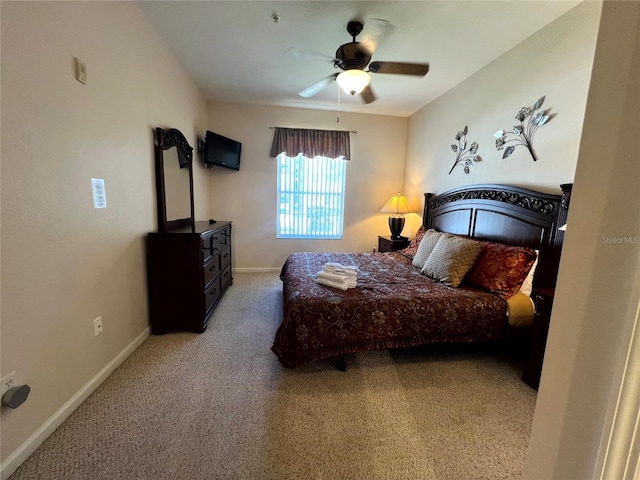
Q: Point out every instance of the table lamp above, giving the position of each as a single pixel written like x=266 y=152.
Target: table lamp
x=398 y=205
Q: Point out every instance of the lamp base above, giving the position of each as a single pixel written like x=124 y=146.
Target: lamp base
x=396 y=224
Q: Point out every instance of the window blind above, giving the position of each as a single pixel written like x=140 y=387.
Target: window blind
x=310 y=197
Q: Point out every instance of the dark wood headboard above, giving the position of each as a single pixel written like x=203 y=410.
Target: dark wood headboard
x=505 y=214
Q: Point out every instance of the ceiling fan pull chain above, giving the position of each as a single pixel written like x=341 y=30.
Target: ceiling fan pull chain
x=338 y=117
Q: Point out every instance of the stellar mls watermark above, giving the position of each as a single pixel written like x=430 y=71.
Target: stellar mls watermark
x=621 y=240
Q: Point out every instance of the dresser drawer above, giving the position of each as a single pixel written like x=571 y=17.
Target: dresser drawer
x=213 y=244
x=226 y=232
x=220 y=240
x=225 y=277
x=225 y=258
x=211 y=270
x=212 y=293
x=206 y=249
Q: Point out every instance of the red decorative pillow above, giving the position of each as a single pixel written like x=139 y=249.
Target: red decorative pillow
x=411 y=250
x=501 y=269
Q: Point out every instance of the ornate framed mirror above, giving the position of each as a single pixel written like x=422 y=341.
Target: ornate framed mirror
x=174 y=180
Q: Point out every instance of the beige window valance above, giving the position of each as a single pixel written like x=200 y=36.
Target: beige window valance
x=311 y=143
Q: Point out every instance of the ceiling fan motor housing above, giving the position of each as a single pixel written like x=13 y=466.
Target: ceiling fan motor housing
x=352 y=56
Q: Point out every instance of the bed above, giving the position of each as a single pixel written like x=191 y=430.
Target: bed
x=395 y=304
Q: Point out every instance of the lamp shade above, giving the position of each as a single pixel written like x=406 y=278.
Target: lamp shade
x=398 y=205
x=353 y=81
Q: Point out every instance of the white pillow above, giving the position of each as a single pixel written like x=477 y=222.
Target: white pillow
x=427 y=244
x=527 y=285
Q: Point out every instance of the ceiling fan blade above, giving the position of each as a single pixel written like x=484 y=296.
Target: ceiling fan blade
x=376 y=33
x=399 y=68
x=309 y=54
x=367 y=95
x=311 y=90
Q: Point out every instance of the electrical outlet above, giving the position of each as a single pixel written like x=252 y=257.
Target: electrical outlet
x=97 y=326
x=373 y=250
x=8 y=382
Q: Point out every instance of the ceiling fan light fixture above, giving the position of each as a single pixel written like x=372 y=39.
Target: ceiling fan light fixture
x=353 y=81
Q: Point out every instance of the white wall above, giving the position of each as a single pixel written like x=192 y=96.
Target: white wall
x=64 y=263
x=248 y=197
x=555 y=62
x=598 y=291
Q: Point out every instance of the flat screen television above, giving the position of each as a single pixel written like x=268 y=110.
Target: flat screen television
x=220 y=151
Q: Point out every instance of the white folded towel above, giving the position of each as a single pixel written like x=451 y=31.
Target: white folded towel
x=346 y=280
x=329 y=283
x=339 y=269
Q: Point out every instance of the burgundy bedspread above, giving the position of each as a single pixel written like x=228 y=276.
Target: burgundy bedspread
x=392 y=306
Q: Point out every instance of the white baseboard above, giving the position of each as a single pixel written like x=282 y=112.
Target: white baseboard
x=257 y=270
x=30 y=445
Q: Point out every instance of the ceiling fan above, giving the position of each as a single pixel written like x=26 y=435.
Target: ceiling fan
x=352 y=58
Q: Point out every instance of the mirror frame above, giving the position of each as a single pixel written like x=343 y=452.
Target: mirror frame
x=164 y=140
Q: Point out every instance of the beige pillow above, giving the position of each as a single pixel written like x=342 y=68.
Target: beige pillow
x=451 y=259
x=425 y=248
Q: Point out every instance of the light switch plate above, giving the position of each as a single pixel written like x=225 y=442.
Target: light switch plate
x=81 y=71
x=99 y=193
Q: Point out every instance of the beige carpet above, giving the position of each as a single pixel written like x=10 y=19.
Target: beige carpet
x=218 y=406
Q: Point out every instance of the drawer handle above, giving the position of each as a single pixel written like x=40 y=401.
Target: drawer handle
x=212 y=269
x=226 y=255
x=226 y=274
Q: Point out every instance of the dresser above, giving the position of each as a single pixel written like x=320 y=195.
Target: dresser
x=188 y=271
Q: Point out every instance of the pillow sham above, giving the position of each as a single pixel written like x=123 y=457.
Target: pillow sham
x=501 y=269
x=411 y=250
x=425 y=248
x=451 y=259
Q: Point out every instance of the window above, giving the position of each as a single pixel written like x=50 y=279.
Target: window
x=310 y=197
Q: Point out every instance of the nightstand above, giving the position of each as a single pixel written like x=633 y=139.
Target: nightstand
x=543 y=301
x=387 y=244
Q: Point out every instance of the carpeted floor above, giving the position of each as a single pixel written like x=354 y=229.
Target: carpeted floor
x=218 y=406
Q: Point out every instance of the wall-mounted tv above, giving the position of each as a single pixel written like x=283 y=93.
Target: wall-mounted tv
x=220 y=151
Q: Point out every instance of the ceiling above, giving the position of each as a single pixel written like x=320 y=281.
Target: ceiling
x=236 y=52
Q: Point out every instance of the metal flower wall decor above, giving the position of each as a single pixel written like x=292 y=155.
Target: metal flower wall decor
x=523 y=134
x=464 y=156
